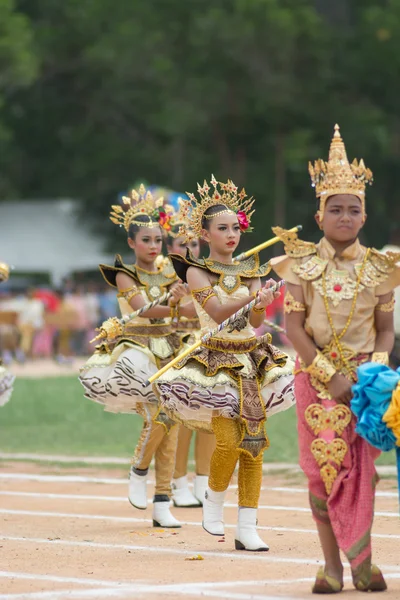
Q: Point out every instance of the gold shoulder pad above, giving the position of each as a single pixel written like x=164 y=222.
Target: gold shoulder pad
x=378 y=267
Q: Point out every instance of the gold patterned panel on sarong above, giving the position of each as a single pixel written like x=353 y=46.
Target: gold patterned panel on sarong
x=319 y=419
x=329 y=452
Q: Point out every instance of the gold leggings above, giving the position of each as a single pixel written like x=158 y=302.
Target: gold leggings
x=228 y=433
x=155 y=442
x=204 y=447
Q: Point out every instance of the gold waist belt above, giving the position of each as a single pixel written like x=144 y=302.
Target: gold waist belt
x=149 y=330
x=188 y=325
x=227 y=345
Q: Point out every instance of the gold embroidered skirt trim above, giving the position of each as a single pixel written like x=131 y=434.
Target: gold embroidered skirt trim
x=188 y=325
x=162 y=346
x=230 y=345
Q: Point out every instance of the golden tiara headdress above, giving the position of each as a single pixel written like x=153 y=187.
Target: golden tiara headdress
x=192 y=210
x=4 y=271
x=140 y=202
x=338 y=176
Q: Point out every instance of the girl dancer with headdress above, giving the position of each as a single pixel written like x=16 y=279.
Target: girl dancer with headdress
x=115 y=374
x=339 y=314
x=205 y=441
x=231 y=384
x=6 y=379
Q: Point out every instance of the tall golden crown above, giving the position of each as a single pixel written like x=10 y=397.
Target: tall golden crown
x=338 y=176
x=192 y=210
x=140 y=202
x=4 y=271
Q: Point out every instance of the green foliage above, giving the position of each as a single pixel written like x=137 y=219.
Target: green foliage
x=169 y=92
x=51 y=416
x=17 y=70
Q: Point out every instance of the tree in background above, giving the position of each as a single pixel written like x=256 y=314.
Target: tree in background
x=17 y=71
x=169 y=92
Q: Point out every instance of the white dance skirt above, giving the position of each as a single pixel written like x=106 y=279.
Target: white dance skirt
x=6 y=385
x=117 y=380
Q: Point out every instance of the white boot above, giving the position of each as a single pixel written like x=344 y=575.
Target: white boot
x=213 y=512
x=162 y=516
x=246 y=537
x=181 y=495
x=200 y=487
x=137 y=494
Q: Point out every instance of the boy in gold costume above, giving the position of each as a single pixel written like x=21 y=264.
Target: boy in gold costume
x=339 y=314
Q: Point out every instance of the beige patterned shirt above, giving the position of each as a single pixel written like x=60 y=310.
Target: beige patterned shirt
x=376 y=277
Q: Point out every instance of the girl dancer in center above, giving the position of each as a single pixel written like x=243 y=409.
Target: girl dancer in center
x=230 y=384
x=205 y=441
x=115 y=374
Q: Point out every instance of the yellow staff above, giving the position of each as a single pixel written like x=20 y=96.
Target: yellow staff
x=264 y=245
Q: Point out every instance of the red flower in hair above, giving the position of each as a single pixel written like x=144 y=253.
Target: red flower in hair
x=242 y=218
x=164 y=221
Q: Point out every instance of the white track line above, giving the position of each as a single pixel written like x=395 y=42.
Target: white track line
x=116 y=460
x=231 y=487
x=121 y=481
x=273 y=507
x=74 y=497
x=108 y=589
x=73 y=594
x=266 y=557
x=58 y=579
x=60 y=458
x=135 y=592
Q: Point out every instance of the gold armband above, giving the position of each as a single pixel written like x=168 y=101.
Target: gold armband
x=290 y=304
x=129 y=293
x=321 y=369
x=202 y=295
x=387 y=307
x=380 y=357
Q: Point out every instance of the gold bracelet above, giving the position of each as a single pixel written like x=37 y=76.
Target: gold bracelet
x=380 y=357
x=321 y=368
x=259 y=310
x=387 y=307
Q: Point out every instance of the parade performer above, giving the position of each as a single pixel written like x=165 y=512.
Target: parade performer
x=115 y=374
x=231 y=384
x=6 y=379
x=339 y=314
x=204 y=442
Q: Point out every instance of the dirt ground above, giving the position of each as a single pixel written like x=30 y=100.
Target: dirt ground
x=71 y=533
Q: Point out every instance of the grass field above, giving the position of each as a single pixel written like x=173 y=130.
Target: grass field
x=51 y=416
